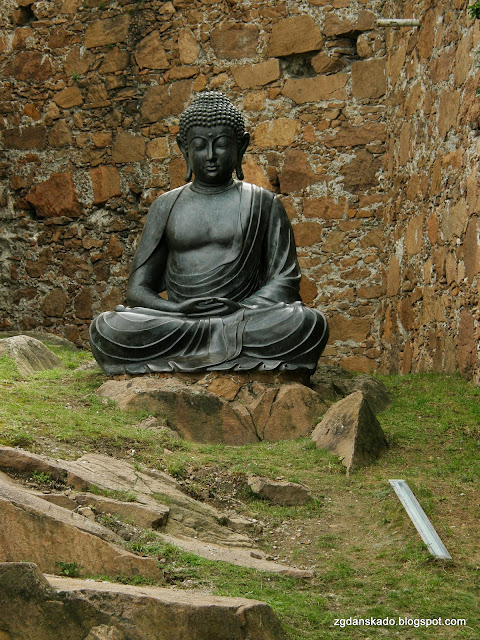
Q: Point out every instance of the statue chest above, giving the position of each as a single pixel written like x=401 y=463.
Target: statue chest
x=200 y=221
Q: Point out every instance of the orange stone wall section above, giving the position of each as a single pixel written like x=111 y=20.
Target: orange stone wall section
x=367 y=134
x=430 y=313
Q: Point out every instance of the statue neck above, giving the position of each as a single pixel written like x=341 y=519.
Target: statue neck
x=201 y=187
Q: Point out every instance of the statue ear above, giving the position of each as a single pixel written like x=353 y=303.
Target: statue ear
x=241 y=152
x=181 y=146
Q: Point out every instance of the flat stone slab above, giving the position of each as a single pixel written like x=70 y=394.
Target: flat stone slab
x=159 y=505
x=38 y=531
x=54 y=608
x=230 y=409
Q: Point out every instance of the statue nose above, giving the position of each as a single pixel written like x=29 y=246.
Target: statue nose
x=210 y=152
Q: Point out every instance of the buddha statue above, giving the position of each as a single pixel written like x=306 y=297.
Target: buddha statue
x=223 y=252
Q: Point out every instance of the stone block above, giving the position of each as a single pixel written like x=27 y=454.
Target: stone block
x=308 y=290
x=60 y=135
x=177 y=169
x=307 y=233
x=294 y=35
x=471 y=248
x=55 y=197
x=350 y=430
x=325 y=208
x=128 y=147
x=82 y=303
x=454 y=220
x=334 y=241
x=164 y=101
x=323 y=63
x=448 y=110
x=107 y=31
x=105 y=182
x=345 y=328
x=368 y=78
x=360 y=174
x=29 y=65
x=69 y=97
x=256 y=75
x=359 y=364
x=116 y=60
x=302 y=90
x=413 y=236
x=463 y=59
x=296 y=173
x=254 y=173
x=467 y=353
x=44 y=533
x=150 y=54
x=233 y=40
x=276 y=133
x=188 y=48
x=351 y=136
x=25 y=138
x=78 y=61
x=54 y=303
x=336 y=26
x=158 y=148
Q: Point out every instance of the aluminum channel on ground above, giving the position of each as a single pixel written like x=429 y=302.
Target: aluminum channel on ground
x=419 y=518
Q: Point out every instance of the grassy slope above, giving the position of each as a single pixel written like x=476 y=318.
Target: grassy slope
x=368 y=558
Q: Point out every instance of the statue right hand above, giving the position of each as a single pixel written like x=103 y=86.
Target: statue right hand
x=203 y=307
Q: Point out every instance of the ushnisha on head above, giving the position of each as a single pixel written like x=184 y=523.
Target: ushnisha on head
x=210 y=117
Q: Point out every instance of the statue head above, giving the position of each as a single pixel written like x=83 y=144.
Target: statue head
x=212 y=138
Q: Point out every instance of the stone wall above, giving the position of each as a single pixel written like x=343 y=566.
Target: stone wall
x=431 y=313
x=90 y=94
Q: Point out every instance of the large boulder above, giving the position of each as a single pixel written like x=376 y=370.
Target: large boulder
x=228 y=408
x=350 y=430
x=53 y=608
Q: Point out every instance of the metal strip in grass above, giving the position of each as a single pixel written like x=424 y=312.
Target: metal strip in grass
x=419 y=518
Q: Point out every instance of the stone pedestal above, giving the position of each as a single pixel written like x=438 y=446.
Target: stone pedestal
x=230 y=408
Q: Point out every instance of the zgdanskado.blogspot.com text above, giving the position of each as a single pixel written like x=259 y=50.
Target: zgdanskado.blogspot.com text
x=400 y=622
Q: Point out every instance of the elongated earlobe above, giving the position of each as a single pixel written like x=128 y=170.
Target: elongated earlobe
x=241 y=151
x=239 y=170
x=188 y=175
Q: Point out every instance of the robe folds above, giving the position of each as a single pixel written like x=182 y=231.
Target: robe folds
x=273 y=331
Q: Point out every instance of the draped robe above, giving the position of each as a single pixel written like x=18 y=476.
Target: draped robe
x=259 y=268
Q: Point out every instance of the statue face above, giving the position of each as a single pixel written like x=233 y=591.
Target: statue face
x=212 y=153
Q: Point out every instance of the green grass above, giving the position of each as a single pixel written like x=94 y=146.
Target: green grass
x=367 y=558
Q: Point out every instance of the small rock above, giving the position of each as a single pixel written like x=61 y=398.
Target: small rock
x=105 y=632
x=298 y=573
x=87 y=512
x=29 y=354
x=279 y=492
x=351 y=430
x=333 y=383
